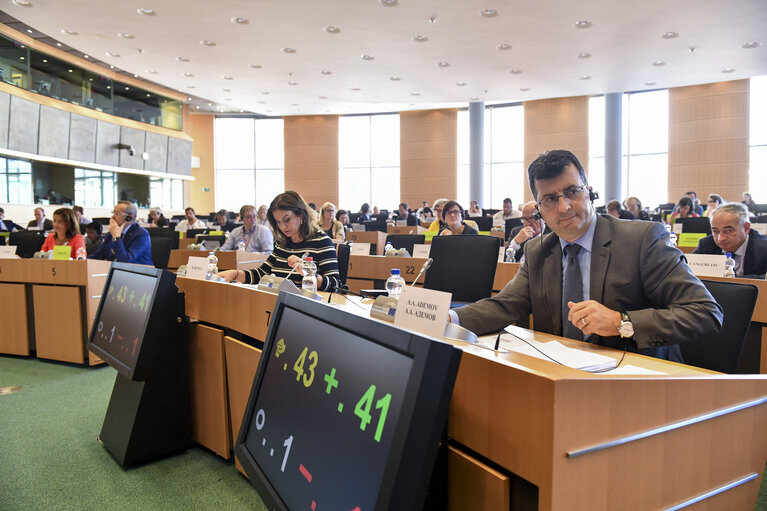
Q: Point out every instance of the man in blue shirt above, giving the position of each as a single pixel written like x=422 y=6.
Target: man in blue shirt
x=126 y=241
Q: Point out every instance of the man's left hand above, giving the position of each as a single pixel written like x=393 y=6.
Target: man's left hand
x=593 y=318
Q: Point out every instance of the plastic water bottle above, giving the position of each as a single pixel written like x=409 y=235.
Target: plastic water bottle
x=729 y=266
x=241 y=245
x=395 y=283
x=388 y=248
x=510 y=254
x=309 y=269
x=212 y=264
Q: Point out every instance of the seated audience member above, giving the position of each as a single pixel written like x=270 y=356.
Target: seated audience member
x=749 y=202
x=419 y=212
x=343 y=217
x=474 y=209
x=364 y=213
x=714 y=201
x=79 y=213
x=634 y=205
x=93 y=237
x=684 y=210
x=376 y=211
x=696 y=207
x=614 y=209
x=506 y=213
x=66 y=231
x=438 y=225
x=222 y=222
x=40 y=223
x=190 y=222
x=427 y=215
x=404 y=214
x=329 y=224
x=156 y=218
x=530 y=228
x=297 y=233
x=313 y=206
x=126 y=241
x=256 y=237
x=261 y=217
x=452 y=214
x=8 y=225
x=645 y=299
x=731 y=232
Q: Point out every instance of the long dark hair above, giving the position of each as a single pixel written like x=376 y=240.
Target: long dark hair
x=292 y=201
x=73 y=227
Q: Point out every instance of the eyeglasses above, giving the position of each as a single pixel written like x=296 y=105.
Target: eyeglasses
x=528 y=219
x=571 y=194
x=453 y=212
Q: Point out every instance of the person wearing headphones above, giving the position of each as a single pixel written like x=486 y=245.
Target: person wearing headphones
x=126 y=241
x=532 y=226
x=40 y=223
x=596 y=278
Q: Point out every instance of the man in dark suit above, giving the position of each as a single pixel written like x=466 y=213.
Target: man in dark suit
x=222 y=222
x=40 y=223
x=731 y=232
x=404 y=214
x=8 y=225
x=126 y=241
x=532 y=226
x=613 y=283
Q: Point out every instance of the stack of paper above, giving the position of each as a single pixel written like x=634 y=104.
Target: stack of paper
x=571 y=357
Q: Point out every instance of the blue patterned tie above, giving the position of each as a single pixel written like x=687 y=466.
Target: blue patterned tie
x=573 y=290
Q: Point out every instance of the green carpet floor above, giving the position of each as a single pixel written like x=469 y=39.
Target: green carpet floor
x=50 y=458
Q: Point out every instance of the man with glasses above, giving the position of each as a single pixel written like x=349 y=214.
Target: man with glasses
x=255 y=236
x=126 y=241
x=595 y=278
x=532 y=226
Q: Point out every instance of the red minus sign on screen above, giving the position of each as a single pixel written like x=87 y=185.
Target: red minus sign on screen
x=305 y=472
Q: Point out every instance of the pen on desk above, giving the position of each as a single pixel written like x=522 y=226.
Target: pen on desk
x=497 y=341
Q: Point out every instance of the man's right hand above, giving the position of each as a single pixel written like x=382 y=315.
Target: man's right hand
x=523 y=235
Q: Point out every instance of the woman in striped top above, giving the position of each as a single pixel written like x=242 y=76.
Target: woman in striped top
x=296 y=233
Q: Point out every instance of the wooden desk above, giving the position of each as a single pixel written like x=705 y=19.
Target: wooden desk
x=227 y=259
x=376 y=238
x=53 y=305
x=405 y=229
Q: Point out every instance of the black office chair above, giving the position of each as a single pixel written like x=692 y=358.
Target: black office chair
x=509 y=225
x=699 y=225
x=484 y=223
x=27 y=242
x=374 y=225
x=343 y=251
x=159 y=232
x=761 y=219
x=405 y=241
x=192 y=233
x=161 y=247
x=463 y=265
x=722 y=352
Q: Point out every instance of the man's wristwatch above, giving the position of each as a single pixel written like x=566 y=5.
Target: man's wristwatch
x=626 y=328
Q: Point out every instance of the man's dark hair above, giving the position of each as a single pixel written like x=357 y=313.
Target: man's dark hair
x=2 y=211
x=507 y=201
x=224 y=213
x=312 y=205
x=190 y=209
x=550 y=165
x=79 y=209
x=365 y=208
x=614 y=205
x=404 y=205
x=94 y=226
x=692 y=193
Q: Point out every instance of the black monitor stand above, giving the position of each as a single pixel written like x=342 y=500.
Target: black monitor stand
x=151 y=418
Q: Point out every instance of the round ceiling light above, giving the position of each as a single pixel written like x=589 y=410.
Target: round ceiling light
x=146 y=12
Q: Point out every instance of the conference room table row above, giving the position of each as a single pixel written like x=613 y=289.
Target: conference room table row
x=522 y=430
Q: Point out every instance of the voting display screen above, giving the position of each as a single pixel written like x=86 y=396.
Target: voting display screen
x=330 y=412
x=120 y=325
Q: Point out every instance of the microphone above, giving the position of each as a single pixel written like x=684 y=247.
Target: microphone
x=426 y=266
x=303 y=258
x=344 y=291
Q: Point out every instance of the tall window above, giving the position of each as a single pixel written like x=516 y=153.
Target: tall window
x=98 y=189
x=368 y=157
x=644 y=168
x=250 y=161
x=15 y=181
x=166 y=193
x=757 y=173
x=504 y=147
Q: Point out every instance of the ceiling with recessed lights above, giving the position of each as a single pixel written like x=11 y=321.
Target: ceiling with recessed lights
x=278 y=57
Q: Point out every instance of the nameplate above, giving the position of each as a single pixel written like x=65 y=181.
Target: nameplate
x=358 y=227
x=61 y=252
x=360 y=248
x=197 y=268
x=215 y=233
x=423 y=310
x=706 y=265
x=422 y=250
x=8 y=252
x=35 y=228
x=677 y=227
x=760 y=228
x=690 y=239
x=401 y=223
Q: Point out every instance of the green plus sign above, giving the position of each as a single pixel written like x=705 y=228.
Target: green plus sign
x=330 y=379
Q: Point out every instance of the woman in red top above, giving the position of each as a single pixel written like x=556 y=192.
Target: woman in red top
x=66 y=231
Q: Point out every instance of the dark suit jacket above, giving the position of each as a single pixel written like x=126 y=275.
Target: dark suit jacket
x=633 y=270
x=755 y=261
x=47 y=224
x=229 y=226
x=133 y=247
x=513 y=234
x=411 y=219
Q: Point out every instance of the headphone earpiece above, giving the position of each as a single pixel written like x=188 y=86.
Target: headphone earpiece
x=593 y=195
x=128 y=218
x=537 y=214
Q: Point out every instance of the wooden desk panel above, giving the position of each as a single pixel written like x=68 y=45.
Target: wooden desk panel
x=380 y=267
x=376 y=238
x=504 y=273
x=241 y=365
x=14 y=327
x=227 y=259
x=58 y=323
x=207 y=382
x=474 y=485
x=48 y=271
x=405 y=229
